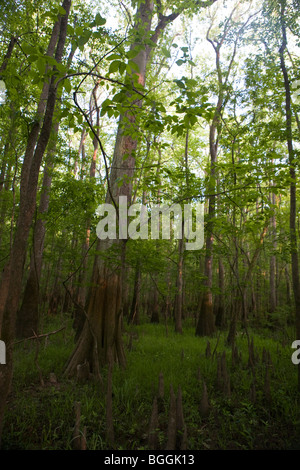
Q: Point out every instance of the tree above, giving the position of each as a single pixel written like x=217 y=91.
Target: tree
x=101 y=338
x=206 y=321
x=11 y=284
x=293 y=177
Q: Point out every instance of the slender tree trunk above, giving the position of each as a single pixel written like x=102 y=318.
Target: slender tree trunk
x=288 y=286
x=178 y=304
x=8 y=54
x=79 y=317
x=6 y=174
x=293 y=180
x=220 y=310
x=206 y=321
x=28 y=314
x=135 y=304
x=154 y=306
x=12 y=280
x=273 y=296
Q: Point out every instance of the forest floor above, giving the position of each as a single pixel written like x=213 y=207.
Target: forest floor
x=40 y=412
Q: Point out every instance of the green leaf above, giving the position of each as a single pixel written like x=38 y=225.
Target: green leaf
x=82 y=40
x=122 y=68
x=67 y=85
x=61 y=10
x=132 y=53
x=29 y=50
x=166 y=52
x=32 y=58
x=61 y=68
x=113 y=57
x=114 y=66
x=99 y=20
x=133 y=65
x=180 y=83
x=41 y=65
x=50 y=60
x=119 y=97
x=79 y=30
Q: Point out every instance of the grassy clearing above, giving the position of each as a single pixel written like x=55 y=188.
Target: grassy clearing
x=42 y=417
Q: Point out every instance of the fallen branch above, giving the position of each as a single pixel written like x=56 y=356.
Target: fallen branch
x=40 y=336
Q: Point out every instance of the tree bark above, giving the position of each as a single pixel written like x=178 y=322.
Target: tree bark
x=273 y=296
x=293 y=179
x=28 y=314
x=135 y=304
x=220 y=310
x=206 y=321
x=12 y=280
x=101 y=337
x=8 y=54
x=178 y=304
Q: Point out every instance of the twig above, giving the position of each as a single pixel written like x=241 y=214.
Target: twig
x=40 y=336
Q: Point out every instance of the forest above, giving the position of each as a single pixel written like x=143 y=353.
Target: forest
x=149 y=226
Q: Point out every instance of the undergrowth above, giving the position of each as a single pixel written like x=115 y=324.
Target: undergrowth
x=40 y=413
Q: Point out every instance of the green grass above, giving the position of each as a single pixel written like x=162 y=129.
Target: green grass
x=42 y=417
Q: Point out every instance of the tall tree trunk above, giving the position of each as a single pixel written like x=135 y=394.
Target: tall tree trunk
x=220 y=310
x=154 y=305
x=273 y=296
x=135 y=304
x=12 y=280
x=206 y=321
x=28 y=314
x=101 y=337
x=6 y=171
x=293 y=179
x=178 y=303
x=79 y=317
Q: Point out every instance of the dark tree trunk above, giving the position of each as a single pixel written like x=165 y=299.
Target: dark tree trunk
x=206 y=321
x=135 y=305
x=220 y=309
x=178 y=304
x=28 y=314
x=273 y=297
x=12 y=280
x=79 y=316
x=8 y=54
x=293 y=180
x=154 y=306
